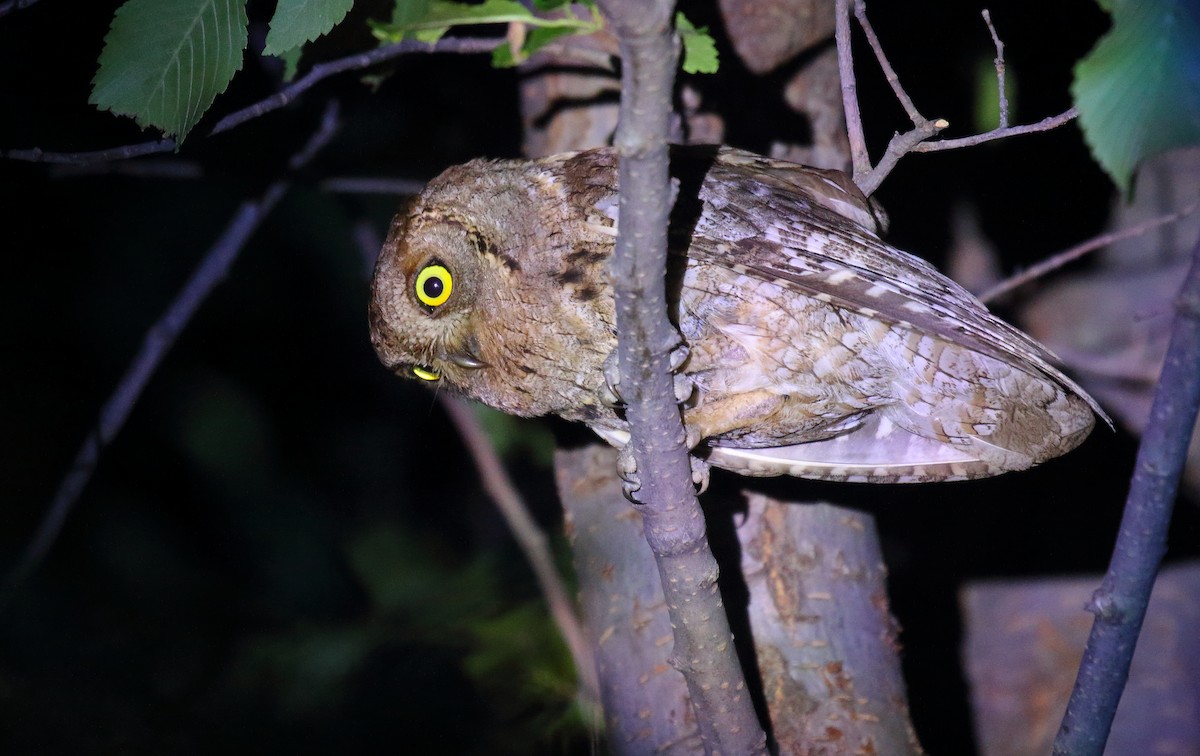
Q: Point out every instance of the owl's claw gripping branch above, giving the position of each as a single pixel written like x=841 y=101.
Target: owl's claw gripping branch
x=610 y=392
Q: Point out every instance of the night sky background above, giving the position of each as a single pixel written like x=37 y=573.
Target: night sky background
x=286 y=548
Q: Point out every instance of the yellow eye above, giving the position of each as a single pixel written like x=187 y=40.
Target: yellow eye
x=434 y=285
x=425 y=374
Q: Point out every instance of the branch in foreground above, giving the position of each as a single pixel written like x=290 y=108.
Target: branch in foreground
x=213 y=268
x=1120 y=602
x=1059 y=259
x=673 y=521
x=529 y=537
x=288 y=94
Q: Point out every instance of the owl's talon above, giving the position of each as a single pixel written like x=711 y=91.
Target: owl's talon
x=627 y=470
x=684 y=388
x=609 y=393
x=679 y=356
x=700 y=470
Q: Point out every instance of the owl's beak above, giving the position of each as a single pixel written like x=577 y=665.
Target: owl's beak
x=463 y=359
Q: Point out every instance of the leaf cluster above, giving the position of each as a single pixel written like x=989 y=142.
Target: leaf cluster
x=165 y=61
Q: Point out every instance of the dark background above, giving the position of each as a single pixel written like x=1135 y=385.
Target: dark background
x=286 y=547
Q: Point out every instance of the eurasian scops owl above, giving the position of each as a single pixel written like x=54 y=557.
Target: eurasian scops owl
x=815 y=348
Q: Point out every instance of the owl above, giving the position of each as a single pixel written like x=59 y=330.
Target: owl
x=814 y=348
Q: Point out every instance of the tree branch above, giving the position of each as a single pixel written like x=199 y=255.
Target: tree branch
x=1001 y=89
x=1120 y=602
x=860 y=158
x=288 y=94
x=673 y=521
x=530 y=539
x=1059 y=259
x=211 y=271
x=1002 y=132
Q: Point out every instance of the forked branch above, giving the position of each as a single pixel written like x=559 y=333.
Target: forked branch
x=869 y=177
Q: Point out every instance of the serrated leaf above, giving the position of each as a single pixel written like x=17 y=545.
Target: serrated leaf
x=298 y=21
x=165 y=61
x=699 y=48
x=1138 y=90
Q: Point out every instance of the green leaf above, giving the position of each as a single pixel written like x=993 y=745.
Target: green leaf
x=298 y=21
x=440 y=15
x=1138 y=90
x=165 y=61
x=699 y=48
x=536 y=39
x=291 y=62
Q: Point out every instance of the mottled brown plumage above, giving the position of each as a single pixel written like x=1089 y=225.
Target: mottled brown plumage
x=815 y=348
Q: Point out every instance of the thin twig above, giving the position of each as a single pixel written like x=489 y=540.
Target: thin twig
x=1003 y=132
x=38 y=155
x=1120 y=603
x=530 y=538
x=372 y=185
x=1000 y=68
x=860 y=13
x=211 y=271
x=1059 y=259
x=322 y=71
x=867 y=178
x=153 y=168
x=317 y=74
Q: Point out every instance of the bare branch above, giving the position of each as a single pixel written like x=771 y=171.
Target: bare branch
x=372 y=185
x=317 y=74
x=1046 y=124
x=530 y=539
x=1059 y=259
x=999 y=63
x=1119 y=604
x=867 y=178
x=211 y=271
x=38 y=155
x=322 y=71
x=899 y=146
x=860 y=13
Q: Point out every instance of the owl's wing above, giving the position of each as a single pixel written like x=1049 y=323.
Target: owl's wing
x=808 y=230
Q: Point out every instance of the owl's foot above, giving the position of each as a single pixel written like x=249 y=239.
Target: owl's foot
x=632 y=482
x=683 y=387
x=609 y=393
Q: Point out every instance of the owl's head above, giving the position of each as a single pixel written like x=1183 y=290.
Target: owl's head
x=426 y=286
